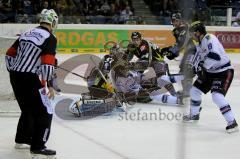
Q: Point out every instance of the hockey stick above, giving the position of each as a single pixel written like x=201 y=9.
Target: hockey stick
x=82 y=78
x=71 y=72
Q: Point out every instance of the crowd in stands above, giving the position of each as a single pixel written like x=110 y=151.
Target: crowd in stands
x=108 y=11
x=193 y=9
x=69 y=11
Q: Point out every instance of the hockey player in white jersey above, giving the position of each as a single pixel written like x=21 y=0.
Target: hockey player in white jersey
x=214 y=73
x=127 y=79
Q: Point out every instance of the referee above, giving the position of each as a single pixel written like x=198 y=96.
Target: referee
x=30 y=62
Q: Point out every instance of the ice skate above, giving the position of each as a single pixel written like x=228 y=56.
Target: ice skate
x=233 y=127
x=192 y=118
x=43 y=154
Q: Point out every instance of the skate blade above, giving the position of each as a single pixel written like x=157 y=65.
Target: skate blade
x=39 y=156
x=233 y=130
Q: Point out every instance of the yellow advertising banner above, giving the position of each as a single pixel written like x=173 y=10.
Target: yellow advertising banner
x=93 y=41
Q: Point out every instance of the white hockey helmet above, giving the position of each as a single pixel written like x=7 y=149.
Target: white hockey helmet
x=49 y=16
x=74 y=108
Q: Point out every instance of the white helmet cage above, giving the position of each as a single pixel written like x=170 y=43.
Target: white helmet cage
x=49 y=16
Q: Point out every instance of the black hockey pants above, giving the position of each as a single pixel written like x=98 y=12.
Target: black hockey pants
x=35 y=121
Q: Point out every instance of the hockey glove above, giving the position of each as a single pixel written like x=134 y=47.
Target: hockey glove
x=108 y=87
x=201 y=73
x=165 y=51
x=168 y=53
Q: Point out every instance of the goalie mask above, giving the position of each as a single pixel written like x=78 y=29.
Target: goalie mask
x=49 y=16
x=115 y=50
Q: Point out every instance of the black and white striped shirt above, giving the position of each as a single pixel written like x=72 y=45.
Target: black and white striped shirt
x=34 y=51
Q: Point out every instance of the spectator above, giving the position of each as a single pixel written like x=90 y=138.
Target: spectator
x=170 y=6
x=45 y=5
x=28 y=7
x=6 y=12
x=236 y=22
x=105 y=8
x=125 y=14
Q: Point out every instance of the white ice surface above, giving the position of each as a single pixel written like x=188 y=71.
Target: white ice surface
x=111 y=137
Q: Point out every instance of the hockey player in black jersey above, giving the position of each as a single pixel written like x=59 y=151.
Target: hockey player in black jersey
x=30 y=62
x=214 y=73
x=149 y=55
x=184 y=44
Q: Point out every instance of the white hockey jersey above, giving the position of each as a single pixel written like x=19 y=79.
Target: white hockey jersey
x=213 y=55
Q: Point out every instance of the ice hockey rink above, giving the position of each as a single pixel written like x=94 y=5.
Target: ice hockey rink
x=133 y=135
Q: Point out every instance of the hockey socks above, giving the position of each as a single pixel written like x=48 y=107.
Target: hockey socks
x=171 y=89
x=195 y=107
x=164 y=98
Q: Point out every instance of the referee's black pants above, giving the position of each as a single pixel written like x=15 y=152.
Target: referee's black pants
x=35 y=122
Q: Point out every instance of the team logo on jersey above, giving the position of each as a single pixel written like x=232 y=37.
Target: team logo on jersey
x=210 y=46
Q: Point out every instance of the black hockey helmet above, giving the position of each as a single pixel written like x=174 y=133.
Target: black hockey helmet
x=176 y=16
x=198 y=26
x=136 y=35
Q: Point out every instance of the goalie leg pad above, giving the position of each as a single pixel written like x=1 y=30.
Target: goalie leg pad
x=92 y=107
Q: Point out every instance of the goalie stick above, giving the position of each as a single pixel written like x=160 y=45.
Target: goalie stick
x=78 y=75
x=71 y=72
